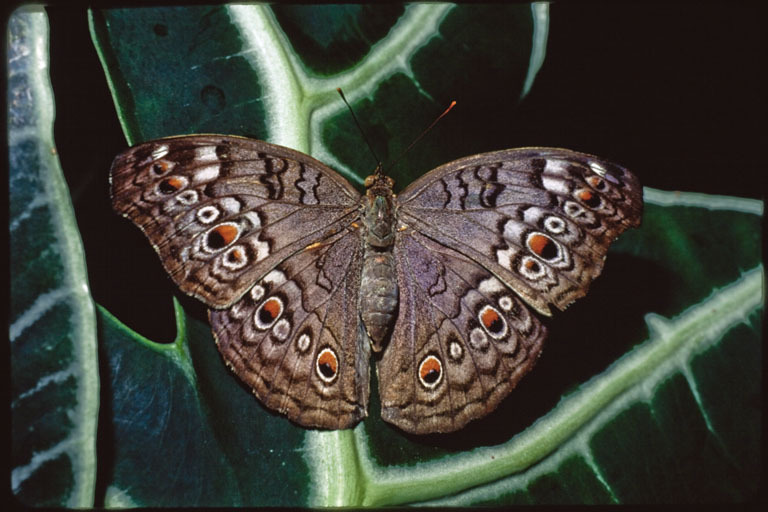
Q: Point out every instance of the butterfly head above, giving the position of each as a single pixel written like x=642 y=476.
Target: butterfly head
x=378 y=184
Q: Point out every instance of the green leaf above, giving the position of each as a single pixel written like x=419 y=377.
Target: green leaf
x=174 y=412
x=681 y=401
x=648 y=390
x=411 y=65
x=255 y=71
x=52 y=326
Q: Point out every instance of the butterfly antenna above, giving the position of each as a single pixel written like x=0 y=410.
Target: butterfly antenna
x=354 y=117
x=422 y=134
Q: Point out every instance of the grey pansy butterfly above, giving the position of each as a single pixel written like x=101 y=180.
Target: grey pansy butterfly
x=305 y=277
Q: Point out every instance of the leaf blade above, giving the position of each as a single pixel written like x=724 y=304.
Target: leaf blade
x=54 y=375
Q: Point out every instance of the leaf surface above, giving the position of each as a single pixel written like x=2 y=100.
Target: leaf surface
x=648 y=389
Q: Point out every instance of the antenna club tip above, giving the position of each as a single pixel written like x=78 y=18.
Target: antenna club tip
x=453 y=104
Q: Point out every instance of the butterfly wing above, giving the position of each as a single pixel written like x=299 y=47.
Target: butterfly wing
x=266 y=236
x=461 y=342
x=222 y=211
x=294 y=337
x=539 y=219
x=474 y=235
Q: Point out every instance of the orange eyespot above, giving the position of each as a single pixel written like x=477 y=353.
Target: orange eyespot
x=327 y=365
x=493 y=323
x=273 y=308
x=590 y=199
x=268 y=313
x=538 y=243
x=430 y=372
x=327 y=358
x=170 y=185
x=489 y=317
x=595 y=182
x=223 y=235
x=160 y=167
x=430 y=366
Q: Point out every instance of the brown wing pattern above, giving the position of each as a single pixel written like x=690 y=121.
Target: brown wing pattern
x=461 y=342
x=222 y=211
x=271 y=240
x=540 y=219
x=294 y=337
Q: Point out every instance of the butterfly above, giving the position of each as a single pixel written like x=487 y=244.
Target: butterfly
x=307 y=279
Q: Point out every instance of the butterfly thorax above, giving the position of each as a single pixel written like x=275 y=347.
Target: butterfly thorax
x=378 y=285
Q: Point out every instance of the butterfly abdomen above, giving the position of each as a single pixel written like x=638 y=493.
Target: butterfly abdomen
x=378 y=295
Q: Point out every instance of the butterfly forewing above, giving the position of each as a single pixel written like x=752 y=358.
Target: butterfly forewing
x=540 y=219
x=222 y=211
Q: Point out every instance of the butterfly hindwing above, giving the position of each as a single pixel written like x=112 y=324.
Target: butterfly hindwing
x=294 y=337
x=461 y=342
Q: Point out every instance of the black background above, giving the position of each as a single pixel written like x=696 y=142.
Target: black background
x=672 y=91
